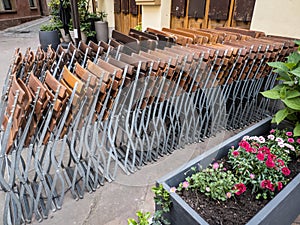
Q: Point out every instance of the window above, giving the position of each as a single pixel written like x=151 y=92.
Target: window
x=5 y=5
x=32 y=3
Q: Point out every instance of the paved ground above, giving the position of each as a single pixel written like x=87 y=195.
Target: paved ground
x=114 y=202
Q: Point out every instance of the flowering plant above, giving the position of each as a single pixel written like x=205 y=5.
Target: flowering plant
x=259 y=164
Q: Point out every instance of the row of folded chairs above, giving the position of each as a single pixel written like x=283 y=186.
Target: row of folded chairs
x=71 y=117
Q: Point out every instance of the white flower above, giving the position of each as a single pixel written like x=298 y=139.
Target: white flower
x=261 y=139
x=271 y=137
x=281 y=145
x=245 y=138
x=279 y=140
x=291 y=147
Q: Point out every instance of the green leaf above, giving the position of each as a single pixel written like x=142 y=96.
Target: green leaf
x=296 y=72
x=279 y=65
x=290 y=65
x=280 y=115
x=297 y=42
x=292 y=94
x=283 y=75
x=289 y=83
x=272 y=94
x=297 y=130
x=293 y=58
x=283 y=93
x=293 y=103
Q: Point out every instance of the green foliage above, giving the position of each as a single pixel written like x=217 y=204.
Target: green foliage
x=162 y=200
x=215 y=181
x=48 y=27
x=138 y=27
x=143 y=219
x=288 y=90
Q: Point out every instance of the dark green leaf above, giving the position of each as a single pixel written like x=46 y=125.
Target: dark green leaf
x=296 y=72
x=280 y=115
x=293 y=103
x=292 y=94
x=272 y=94
x=292 y=117
x=297 y=130
x=279 y=65
x=283 y=75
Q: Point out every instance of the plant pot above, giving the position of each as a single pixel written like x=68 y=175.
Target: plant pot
x=282 y=209
x=101 y=29
x=49 y=38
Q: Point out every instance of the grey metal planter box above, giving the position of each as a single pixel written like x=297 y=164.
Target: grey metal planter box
x=283 y=209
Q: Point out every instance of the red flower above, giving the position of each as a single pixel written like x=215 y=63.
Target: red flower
x=279 y=185
x=270 y=186
x=264 y=183
x=240 y=187
x=285 y=171
x=260 y=156
x=250 y=149
x=264 y=149
x=270 y=163
x=235 y=153
x=280 y=162
x=271 y=156
x=244 y=144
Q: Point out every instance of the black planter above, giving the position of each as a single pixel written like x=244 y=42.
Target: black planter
x=49 y=38
x=283 y=209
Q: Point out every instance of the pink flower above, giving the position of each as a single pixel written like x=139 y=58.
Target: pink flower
x=291 y=140
x=240 y=187
x=270 y=163
x=173 y=189
x=185 y=184
x=215 y=166
x=270 y=186
x=285 y=171
x=271 y=156
x=224 y=169
x=250 y=149
x=298 y=141
x=228 y=194
x=279 y=140
x=272 y=131
x=280 y=162
x=260 y=156
x=244 y=144
x=252 y=176
x=279 y=185
x=289 y=133
x=264 y=183
x=264 y=149
x=271 y=137
x=235 y=153
x=281 y=145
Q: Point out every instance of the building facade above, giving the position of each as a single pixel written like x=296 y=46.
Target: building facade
x=14 y=12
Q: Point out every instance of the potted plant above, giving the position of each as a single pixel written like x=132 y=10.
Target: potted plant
x=48 y=35
x=282 y=209
x=101 y=26
x=287 y=90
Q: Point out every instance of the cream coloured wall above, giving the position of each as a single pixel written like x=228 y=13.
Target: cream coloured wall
x=108 y=7
x=277 y=17
x=156 y=16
